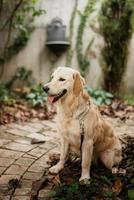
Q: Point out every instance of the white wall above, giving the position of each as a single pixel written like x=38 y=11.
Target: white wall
x=37 y=57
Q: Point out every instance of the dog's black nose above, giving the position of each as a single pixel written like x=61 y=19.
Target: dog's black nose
x=46 y=88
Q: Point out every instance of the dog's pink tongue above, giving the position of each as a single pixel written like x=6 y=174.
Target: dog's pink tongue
x=50 y=99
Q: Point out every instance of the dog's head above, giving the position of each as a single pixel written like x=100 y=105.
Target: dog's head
x=64 y=81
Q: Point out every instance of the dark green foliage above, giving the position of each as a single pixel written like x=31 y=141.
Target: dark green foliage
x=37 y=96
x=23 y=24
x=129 y=99
x=19 y=42
x=20 y=27
x=5 y=95
x=21 y=74
x=101 y=179
x=75 y=191
x=116 y=27
x=100 y=96
x=131 y=194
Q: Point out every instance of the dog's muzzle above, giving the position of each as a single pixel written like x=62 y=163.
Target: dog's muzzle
x=54 y=98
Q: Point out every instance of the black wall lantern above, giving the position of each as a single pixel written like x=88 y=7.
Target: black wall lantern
x=56 y=39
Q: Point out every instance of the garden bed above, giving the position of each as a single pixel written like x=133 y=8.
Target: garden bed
x=104 y=184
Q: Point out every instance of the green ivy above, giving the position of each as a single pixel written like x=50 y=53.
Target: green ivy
x=22 y=27
x=116 y=27
x=7 y=96
x=21 y=74
x=83 y=62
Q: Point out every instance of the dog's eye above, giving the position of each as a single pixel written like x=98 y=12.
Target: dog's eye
x=62 y=79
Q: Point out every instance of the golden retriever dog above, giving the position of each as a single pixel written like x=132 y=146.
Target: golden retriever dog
x=82 y=128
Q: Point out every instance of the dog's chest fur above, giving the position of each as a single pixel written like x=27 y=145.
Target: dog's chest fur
x=69 y=124
x=70 y=130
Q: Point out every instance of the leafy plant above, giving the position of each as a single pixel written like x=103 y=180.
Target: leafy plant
x=115 y=21
x=27 y=12
x=5 y=95
x=100 y=96
x=75 y=191
x=23 y=74
x=18 y=24
x=129 y=99
x=108 y=194
x=131 y=194
x=68 y=191
x=37 y=96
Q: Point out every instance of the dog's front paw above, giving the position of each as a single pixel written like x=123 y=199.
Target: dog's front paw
x=55 y=169
x=84 y=181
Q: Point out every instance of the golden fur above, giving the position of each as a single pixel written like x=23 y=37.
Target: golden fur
x=100 y=141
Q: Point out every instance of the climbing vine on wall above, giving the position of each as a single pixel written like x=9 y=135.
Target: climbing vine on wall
x=83 y=62
x=18 y=25
x=71 y=31
x=116 y=27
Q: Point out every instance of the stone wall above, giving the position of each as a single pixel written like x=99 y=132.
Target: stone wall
x=42 y=62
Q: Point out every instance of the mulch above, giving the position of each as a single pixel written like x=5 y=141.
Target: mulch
x=21 y=111
x=104 y=184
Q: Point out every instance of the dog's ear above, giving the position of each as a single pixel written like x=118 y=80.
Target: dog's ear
x=78 y=83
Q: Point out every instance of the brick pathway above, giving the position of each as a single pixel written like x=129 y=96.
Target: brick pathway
x=22 y=160
x=25 y=161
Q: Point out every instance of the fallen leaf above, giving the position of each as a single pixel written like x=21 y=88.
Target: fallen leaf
x=36 y=141
x=117 y=187
x=56 y=180
x=54 y=157
x=115 y=105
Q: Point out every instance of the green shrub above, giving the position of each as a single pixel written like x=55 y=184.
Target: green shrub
x=115 y=19
x=37 y=96
x=100 y=96
x=129 y=99
x=5 y=95
x=131 y=194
